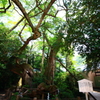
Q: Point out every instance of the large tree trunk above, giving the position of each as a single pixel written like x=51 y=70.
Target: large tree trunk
x=50 y=69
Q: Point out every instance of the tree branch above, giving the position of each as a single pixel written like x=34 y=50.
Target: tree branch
x=21 y=21
x=46 y=39
x=24 y=17
x=66 y=69
x=21 y=32
x=5 y=9
x=45 y=13
x=15 y=25
x=25 y=44
x=34 y=30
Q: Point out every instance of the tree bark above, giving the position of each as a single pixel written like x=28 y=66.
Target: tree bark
x=50 y=69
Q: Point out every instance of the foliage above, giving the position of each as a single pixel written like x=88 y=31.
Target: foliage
x=7 y=79
x=8 y=46
x=38 y=78
x=37 y=22
x=68 y=86
x=84 y=30
x=13 y=97
x=3 y=2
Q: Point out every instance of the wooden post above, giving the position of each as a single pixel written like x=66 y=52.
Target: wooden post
x=86 y=95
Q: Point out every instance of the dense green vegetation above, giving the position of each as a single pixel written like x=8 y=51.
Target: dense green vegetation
x=33 y=32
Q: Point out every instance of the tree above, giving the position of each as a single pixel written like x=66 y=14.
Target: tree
x=41 y=9
x=42 y=12
x=83 y=30
x=8 y=45
x=51 y=35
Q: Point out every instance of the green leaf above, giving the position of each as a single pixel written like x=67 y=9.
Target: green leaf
x=4 y=2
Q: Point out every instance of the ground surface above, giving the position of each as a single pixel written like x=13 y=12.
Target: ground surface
x=94 y=93
x=2 y=95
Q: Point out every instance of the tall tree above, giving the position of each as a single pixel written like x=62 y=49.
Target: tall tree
x=40 y=12
x=83 y=30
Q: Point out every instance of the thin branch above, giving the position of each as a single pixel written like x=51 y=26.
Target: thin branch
x=21 y=32
x=36 y=14
x=66 y=69
x=46 y=39
x=22 y=20
x=17 y=11
x=43 y=57
x=15 y=25
x=49 y=31
x=52 y=15
x=9 y=5
x=48 y=14
x=44 y=13
x=38 y=2
x=20 y=6
x=59 y=5
x=5 y=9
x=25 y=44
x=41 y=9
